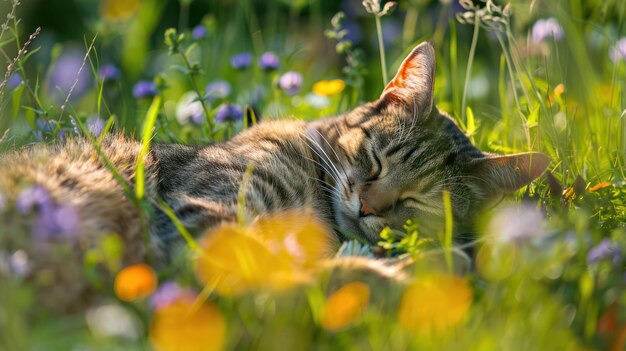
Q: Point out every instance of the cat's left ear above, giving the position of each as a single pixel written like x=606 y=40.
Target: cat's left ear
x=507 y=173
x=413 y=84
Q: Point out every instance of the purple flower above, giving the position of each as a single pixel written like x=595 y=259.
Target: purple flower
x=167 y=293
x=32 y=197
x=516 y=224
x=217 y=89
x=109 y=72
x=546 y=29
x=269 y=61
x=605 y=249
x=199 y=32
x=64 y=75
x=290 y=82
x=54 y=221
x=228 y=113
x=618 y=51
x=14 y=81
x=241 y=61
x=144 y=89
x=95 y=125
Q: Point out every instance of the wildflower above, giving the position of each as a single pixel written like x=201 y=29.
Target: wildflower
x=199 y=32
x=545 y=29
x=189 y=109
x=241 y=61
x=228 y=113
x=269 y=61
x=14 y=81
x=183 y=326
x=95 y=125
x=68 y=73
x=274 y=253
x=605 y=249
x=317 y=101
x=217 y=89
x=109 y=72
x=115 y=10
x=19 y=264
x=618 y=51
x=329 y=87
x=168 y=293
x=32 y=197
x=290 y=82
x=135 y=282
x=434 y=303
x=345 y=305
x=112 y=320
x=516 y=223
x=144 y=89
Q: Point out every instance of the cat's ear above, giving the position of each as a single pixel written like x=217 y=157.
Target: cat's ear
x=507 y=173
x=413 y=84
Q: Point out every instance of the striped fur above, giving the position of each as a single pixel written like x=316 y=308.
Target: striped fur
x=378 y=165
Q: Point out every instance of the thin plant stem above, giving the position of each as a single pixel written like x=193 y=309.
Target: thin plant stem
x=468 y=71
x=381 y=47
x=196 y=88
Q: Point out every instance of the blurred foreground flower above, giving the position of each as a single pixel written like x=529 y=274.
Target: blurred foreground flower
x=228 y=113
x=434 y=303
x=113 y=320
x=241 y=61
x=189 y=109
x=290 y=82
x=144 y=89
x=329 y=87
x=168 y=293
x=51 y=220
x=115 y=10
x=618 y=51
x=274 y=253
x=546 y=29
x=183 y=326
x=606 y=249
x=516 y=223
x=109 y=72
x=95 y=125
x=345 y=305
x=269 y=61
x=135 y=282
x=217 y=89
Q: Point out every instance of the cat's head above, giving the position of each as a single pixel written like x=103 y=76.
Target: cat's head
x=392 y=159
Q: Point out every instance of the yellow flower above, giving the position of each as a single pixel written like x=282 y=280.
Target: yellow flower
x=329 y=87
x=181 y=326
x=135 y=282
x=345 y=305
x=434 y=303
x=274 y=253
x=118 y=9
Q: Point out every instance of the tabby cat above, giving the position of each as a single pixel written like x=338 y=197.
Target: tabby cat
x=376 y=166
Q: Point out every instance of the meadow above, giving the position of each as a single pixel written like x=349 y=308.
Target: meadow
x=547 y=269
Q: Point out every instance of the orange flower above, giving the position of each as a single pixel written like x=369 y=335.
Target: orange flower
x=329 y=87
x=599 y=186
x=135 y=282
x=434 y=303
x=345 y=305
x=274 y=253
x=181 y=326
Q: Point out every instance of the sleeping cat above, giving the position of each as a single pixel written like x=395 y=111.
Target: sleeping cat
x=382 y=163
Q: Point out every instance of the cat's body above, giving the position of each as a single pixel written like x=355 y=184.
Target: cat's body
x=383 y=163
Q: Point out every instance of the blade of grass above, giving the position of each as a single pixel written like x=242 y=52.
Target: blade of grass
x=146 y=138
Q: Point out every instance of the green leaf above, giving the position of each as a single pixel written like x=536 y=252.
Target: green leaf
x=533 y=117
x=16 y=98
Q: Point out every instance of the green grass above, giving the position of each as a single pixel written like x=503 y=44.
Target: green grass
x=565 y=98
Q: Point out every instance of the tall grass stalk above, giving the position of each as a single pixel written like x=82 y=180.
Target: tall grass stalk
x=468 y=71
x=381 y=50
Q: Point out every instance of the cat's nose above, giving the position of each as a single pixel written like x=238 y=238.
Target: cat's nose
x=366 y=209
